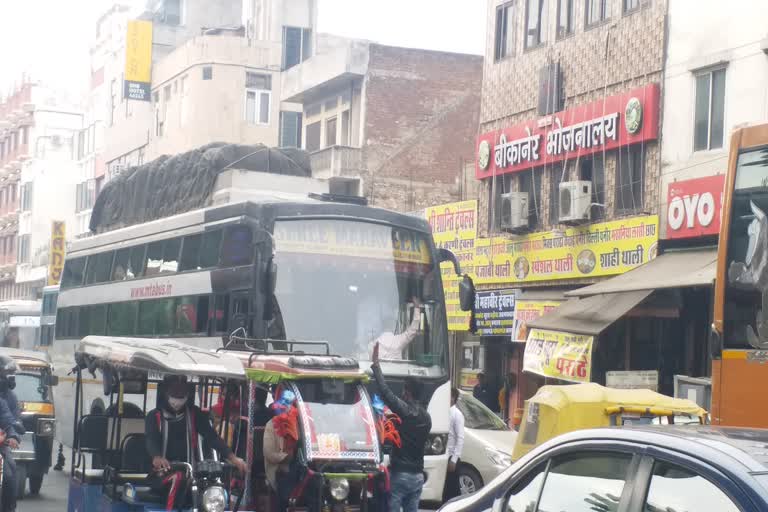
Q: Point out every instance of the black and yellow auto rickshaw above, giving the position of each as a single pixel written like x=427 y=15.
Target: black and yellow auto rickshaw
x=34 y=379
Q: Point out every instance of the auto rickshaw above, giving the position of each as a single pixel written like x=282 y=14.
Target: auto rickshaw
x=109 y=464
x=34 y=379
x=555 y=410
x=321 y=405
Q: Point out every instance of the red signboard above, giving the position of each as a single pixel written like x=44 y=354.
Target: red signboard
x=605 y=124
x=694 y=206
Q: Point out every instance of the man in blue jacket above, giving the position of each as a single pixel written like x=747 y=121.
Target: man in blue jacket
x=9 y=419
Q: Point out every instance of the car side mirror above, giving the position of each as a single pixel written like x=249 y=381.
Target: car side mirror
x=466 y=293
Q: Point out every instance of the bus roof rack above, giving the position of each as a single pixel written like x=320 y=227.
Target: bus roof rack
x=262 y=345
x=339 y=198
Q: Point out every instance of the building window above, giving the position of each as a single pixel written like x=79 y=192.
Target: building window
x=257 y=97
x=592 y=169
x=297 y=46
x=290 y=129
x=313 y=137
x=330 y=132
x=24 y=250
x=505 y=31
x=629 y=179
x=171 y=14
x=632 y=5
x=207 y=73
x=536 y=14
x=557 y=175
x=112 y=101
x=710 y=110
x=551 y=99
x=313 y=110
x=345 y=125
x=26 y=196
x=564 y=18
x=597 y=12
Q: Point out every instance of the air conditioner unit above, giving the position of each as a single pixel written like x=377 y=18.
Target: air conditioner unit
x=514 y=211
x=575 y=202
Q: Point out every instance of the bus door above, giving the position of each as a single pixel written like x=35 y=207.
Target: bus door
x=241 y=311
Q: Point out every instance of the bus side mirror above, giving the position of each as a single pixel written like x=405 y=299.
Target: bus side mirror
x=53 y=380
x=446 y=256
x=715 y=344
x=466 y=293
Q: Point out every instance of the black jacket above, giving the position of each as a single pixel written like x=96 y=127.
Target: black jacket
x=414 y=430
x=155 y=424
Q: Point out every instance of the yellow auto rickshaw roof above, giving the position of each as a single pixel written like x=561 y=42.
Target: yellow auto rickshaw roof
x=582 y=396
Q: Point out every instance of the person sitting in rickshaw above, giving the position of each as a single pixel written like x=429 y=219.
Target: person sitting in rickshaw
x=172 y=435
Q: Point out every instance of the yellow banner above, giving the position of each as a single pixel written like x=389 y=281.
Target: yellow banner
x=56 y=251
x=454 y=227
x=559 y=355
x=527 y=310
x=468 y=380
x=603 y=249
x=138 y=60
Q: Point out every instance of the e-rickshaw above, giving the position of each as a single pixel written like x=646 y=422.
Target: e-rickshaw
x=110 y=465
x=558 y=409
x=34 y=379
x=321 y=404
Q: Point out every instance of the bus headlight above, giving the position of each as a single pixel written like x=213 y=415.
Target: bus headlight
x=214 y=499
x=46 y=427
x=339 y=488
x=435 y=444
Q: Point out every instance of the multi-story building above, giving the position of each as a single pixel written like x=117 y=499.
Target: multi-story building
x=39 y=177
x=569 y=159
x=392 y=124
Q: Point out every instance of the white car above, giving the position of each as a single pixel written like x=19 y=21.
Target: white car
x=488 y=444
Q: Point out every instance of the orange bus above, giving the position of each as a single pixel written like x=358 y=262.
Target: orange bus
x=740 y=322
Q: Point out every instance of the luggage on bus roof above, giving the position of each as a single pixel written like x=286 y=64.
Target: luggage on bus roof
x=175 y=184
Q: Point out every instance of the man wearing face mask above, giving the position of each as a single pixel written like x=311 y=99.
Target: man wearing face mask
x=172 y=432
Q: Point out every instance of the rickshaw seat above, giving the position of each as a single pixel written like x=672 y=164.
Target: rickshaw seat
x=134 y=457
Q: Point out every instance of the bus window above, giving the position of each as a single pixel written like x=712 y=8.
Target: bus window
x=98 y=267
x=92 y=320
x=74 y=269
x=119 y=269
x=66 y=323
x=154 y=258
x=155 y=317
x=122 y=319
x=171 y=249
x=190 y=252
x=238 y=246
x=191 y=315
x=136 y=262
x=220 y=314
x=209 y=251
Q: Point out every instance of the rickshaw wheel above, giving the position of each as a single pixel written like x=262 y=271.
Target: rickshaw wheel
x=21 y=481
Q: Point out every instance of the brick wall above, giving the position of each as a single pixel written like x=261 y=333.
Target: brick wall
x=634 y=58
x=422 y=113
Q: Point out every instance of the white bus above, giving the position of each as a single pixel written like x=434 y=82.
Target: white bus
x=294 y=269
x=20 y=324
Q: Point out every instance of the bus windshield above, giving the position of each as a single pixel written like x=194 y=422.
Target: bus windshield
x=350 y=283
x=748 y=252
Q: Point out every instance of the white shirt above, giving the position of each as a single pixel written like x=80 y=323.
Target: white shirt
x=391 y=345
x=275 y=459
x=455 y=434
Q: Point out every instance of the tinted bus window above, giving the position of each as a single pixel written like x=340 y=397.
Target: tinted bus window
x=221 y=313
x=171 y=249
x=238 y=246
x=209 y=250
x=66 y=323
x=99 y=266
x=190 y=252
x=154 y=258
x=155 y=317
x=191 y=315
x=74 y=269
x=122 y=319
x=119 y=272
x=136 y=262
x=49 y=303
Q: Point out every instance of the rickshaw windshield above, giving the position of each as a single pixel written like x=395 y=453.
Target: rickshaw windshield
x=30 y=388
x=337 y=421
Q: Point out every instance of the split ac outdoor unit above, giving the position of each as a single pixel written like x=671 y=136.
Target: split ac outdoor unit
x=575 y=202
x=514 y=211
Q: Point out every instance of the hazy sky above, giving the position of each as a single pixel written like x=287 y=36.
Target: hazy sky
x=50 y=38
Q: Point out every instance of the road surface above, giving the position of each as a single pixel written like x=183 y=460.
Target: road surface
x=53 y=496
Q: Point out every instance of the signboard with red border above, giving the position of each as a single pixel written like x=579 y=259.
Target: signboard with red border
x=602 y=125
x=694 y=207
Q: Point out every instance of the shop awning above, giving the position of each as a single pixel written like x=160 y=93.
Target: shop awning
x=673 y=269
x=591 y=315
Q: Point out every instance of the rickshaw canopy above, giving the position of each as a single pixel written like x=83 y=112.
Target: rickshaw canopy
x=163 y=356
x=555 y=410
x=273 y=368
x=28 y=359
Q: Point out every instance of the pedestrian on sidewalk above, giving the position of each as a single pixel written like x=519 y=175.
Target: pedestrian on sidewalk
x=406 y=462
x=454 y=448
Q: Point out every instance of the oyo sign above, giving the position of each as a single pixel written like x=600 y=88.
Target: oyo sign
x=694 y=207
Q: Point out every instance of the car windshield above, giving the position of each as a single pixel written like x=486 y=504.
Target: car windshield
x=29 y=388
x=477 y=415
x=350 y=283
x=339 y=420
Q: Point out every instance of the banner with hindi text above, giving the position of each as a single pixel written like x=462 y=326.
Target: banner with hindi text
x=559 y=355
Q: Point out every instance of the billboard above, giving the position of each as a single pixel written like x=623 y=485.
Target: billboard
x=138 y=61
x=694 y=207
x=57 y=249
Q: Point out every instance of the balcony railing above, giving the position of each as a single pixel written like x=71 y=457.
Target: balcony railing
x=336 y=161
